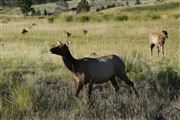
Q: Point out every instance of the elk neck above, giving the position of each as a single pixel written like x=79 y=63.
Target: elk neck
x=69 y=61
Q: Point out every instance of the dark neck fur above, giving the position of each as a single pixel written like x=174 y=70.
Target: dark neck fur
x=69 y=61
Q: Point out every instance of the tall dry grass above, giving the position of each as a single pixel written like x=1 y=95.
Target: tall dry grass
x=35 y=84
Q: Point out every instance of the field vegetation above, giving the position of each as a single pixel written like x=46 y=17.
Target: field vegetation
x=34 y=84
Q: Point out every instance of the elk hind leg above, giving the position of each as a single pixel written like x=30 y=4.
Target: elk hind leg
x=128 y=82
x=151 y=47
x=114 y=84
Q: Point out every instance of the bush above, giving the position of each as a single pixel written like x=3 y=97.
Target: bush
x=38 y=12
x=111 y=5
x=68 y=18
x=121 y=18
x=83 y=18
x=168 y=81
x=155 y=16
x=5 y=19
x=50 y=19
x=83 y=6
x=136 y=17
x=25 y=6
x=177 y=16
x=41 y=17
x=169 y=78
x=107 y=17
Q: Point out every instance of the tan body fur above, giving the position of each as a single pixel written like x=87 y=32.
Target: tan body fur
x=158 y=39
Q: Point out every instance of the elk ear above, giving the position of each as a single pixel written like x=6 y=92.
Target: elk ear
x=59 y=43
x=68 y=43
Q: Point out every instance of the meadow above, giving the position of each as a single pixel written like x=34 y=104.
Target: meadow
x=34 y=84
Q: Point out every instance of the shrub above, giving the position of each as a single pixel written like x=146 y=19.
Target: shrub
x=168 y=81
x=107 y=17
x=5 y=19
x=168 y=78
x=136 y=17
x=83 y=6
x=155 y=16
x=38 y=12
x=121 y=18
x=50 y=19
x=68 y=18
x=25 y=6
x=83 y=18
x=41 y=17
x=111 y=5
x=137 y=2
x=177 y=16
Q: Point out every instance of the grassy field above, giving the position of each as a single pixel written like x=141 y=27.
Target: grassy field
x=35 y=84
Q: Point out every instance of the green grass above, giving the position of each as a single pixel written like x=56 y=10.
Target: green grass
x=35 y=84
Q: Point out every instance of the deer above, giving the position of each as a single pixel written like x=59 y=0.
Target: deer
x=93 y=70
x=158 y=39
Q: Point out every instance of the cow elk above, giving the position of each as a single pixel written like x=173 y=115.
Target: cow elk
x=85 y=31
x=68 y=34
x=24 y=31
x=93 y=70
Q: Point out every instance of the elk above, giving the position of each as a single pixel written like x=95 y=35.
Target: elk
x=24 y=31
x=85 y=31
x=34 y=24
x=93 y=70
x=68 y=34
x=157 y=39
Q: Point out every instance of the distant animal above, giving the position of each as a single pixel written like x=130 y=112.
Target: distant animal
x=74 y=9
x=24 y=31
x=2 y=44
x=93 y=54
x=93 y=70
x=85 y=31
x=158 y=39
x=34 y=24
x=68 y=34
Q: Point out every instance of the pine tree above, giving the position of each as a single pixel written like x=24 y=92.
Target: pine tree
x=83 y=6
x=137 y=2
x=25 y=6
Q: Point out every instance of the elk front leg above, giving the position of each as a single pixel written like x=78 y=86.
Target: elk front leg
x=162 y=49
x=90 y=88
x=80 y=86
x=158 y=50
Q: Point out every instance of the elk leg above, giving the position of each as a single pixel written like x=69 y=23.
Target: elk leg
x=80 y=86
x=152 y=46
x=162 y=49
x=128 y=82
x=90 y=88
x=158 y=50
x=114 y=84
